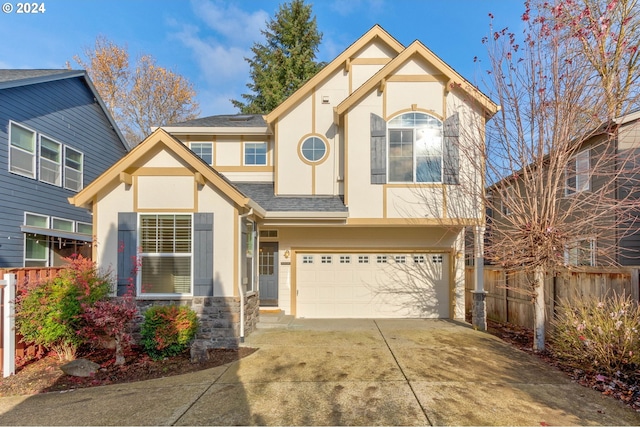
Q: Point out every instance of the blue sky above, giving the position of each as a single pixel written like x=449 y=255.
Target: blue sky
x=206 y=40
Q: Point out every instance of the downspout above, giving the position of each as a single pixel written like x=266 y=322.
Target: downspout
x=240 y=290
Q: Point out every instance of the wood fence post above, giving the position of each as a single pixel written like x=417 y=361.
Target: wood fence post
x=635 y=285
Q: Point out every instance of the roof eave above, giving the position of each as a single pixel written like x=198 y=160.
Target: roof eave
x=206 y=130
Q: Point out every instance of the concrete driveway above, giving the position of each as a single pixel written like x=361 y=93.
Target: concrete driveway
x=344 y=372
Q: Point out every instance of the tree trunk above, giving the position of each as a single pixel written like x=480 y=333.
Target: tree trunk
x=120 y=360
x=539 y=312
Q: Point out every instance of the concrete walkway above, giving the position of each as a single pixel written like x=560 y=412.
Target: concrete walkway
x=344 y=372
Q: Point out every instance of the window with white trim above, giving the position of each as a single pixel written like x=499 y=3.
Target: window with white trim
x=307 y=259
x=84 y=228
x=22 y=151
x=62 y=224
x=363 y=259
x=508 y=199
x=381 y=259
x=73 y=165
x=255 y=153
x=400 y=259
x=581 y=253
x=326 y=259
x=50 y=161
x=204 y=150
x=166 y=254
x=418 y=259
x=415 y=148
x=345 y=259
x=577 y=173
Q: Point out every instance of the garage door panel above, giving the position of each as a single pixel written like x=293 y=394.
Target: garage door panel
x=361 y=286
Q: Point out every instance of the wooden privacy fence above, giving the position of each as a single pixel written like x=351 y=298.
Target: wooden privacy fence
x=509 y=299
x=23 y=276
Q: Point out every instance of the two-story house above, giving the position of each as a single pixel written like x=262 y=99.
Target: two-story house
x=598 y=180
x=55 y=137
x=349 y=200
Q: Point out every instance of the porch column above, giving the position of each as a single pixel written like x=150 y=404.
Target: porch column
x=479 y=309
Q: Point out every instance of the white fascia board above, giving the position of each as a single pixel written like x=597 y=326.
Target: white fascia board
x=185 y=130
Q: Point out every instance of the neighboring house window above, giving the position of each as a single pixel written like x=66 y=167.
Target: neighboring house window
x=415 y=148
x=255 y=153
x=50 y=161
x=578 y=173
x=508 y=198
x=73 y=165
x=165 y=244
x=50 y=248
x=313 y=149
x=248 y=269
x=269 y=233
x=22 y=151
x=581 y=253
x=51 y=156
x=204 y=150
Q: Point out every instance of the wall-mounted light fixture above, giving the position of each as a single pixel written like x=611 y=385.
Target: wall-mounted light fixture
x=287 y=254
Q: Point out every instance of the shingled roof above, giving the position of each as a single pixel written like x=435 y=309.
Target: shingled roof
x=227 y=120
x=263 y=194
x=17 y=77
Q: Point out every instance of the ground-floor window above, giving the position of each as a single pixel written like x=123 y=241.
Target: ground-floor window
x=166 y=254
x=51 y=251
x=581 y=253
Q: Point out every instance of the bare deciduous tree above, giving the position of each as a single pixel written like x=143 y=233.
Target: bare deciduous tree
x=552 y=156
x=140 y=98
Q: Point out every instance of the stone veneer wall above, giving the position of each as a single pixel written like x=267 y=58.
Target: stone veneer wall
x=219 y=320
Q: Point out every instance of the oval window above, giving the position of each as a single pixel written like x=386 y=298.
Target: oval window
x=313 y=149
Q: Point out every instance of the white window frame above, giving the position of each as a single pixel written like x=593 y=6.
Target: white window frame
x=414 y=132
x=326 y=259
x=59 y=164
x=80 y=223
x=381 y=259
x=254 y=144
x=574 y=258
x=199 y=152
x=12 y=147
x=363 y=259
x=507 y=200
x=64 y=220
x=26 y=214
x=307 y=259
x=400 y=259
x=67 y=169
x=581 y=164
x=345 y=259
x=143 y=255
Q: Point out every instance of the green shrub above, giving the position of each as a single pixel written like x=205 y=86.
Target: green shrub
x=48 y=312
x=604 y=334
x=168 y=330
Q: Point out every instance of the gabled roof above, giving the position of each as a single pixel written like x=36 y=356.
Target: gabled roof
x=161 y=138
x=245 y=124
x=10 y=78
x=417 y=48
x=375 y=32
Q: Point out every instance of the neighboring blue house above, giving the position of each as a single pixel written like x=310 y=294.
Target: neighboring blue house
x=56 y=136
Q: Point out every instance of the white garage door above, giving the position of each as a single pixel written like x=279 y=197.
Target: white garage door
x=372 y=285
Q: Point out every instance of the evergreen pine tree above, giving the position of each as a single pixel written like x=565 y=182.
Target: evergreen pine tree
x=285 y=61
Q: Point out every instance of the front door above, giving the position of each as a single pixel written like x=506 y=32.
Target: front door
x=268 y=274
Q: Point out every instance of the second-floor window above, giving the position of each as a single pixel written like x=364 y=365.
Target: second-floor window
x=22 y=151
x=49 y=161
x=577 y=174
x=204 y=150
x=415 y=148
x=255 y=153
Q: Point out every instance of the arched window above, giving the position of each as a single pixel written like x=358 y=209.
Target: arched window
x=415 y=148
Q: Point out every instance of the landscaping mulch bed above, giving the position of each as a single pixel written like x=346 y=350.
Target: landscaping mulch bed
x=44 y=374
x=624 y=387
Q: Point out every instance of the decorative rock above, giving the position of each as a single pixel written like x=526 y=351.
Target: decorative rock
x=80 y=368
